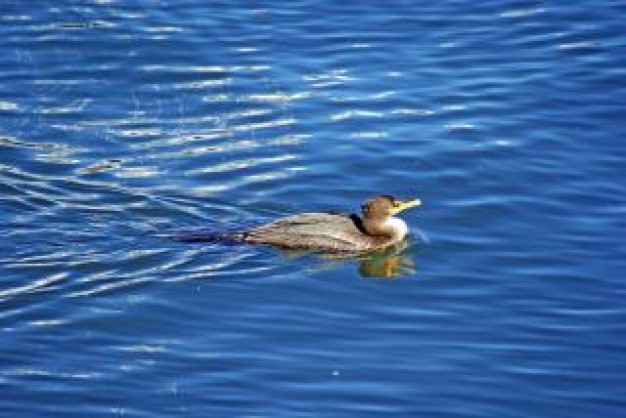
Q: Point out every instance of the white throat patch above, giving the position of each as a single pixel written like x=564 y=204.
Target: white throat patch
x=398 y=226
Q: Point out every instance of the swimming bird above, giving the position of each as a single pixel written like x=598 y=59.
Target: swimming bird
x=377 y=228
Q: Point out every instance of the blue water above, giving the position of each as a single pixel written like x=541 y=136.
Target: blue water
x=123 y=122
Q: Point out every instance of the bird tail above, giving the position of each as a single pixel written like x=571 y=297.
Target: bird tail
x=228 y=238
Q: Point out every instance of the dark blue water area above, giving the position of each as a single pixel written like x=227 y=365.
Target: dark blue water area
x=123 y=123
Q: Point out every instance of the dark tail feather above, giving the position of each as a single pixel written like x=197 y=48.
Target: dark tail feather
x=211 y=237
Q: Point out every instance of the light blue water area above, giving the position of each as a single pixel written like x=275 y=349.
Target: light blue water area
x=123 y=122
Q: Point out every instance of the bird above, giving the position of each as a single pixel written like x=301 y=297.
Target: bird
x=375 y=229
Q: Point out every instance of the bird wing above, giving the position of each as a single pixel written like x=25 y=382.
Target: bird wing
x=322 y=231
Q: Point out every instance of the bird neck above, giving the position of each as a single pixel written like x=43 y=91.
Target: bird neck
x=394 y=228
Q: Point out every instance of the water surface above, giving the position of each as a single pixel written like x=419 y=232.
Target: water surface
x=123 y=122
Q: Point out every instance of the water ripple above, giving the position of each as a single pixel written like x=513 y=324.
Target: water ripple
x=43 y=284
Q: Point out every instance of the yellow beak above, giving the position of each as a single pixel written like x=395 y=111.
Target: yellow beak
x=400 y=206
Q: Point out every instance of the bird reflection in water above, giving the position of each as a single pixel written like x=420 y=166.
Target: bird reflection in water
x=391 y=263
x=388 y=264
